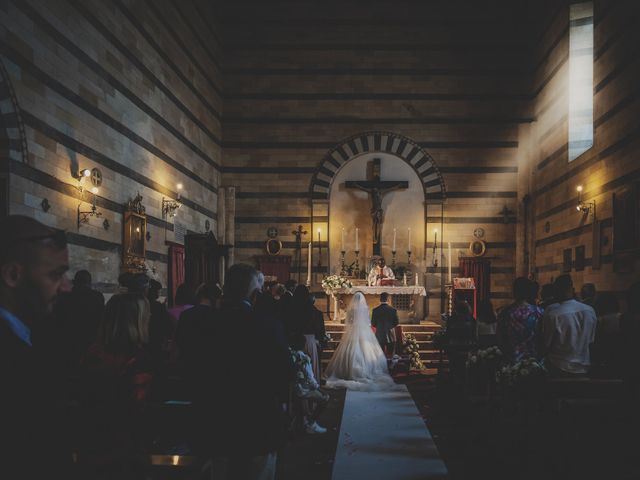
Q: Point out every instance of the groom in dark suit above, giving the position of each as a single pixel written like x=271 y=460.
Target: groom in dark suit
x=385 y=319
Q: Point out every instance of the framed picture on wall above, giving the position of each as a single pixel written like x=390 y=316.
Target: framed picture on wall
x=566 y=260
x=626 y=228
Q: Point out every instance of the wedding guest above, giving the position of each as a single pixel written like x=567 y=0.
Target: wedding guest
x=160 y=324
x=77 y=315
x=568 y=330
x=608 y=347
x=300 y=321
x=238 y=411
x=118 y=373
x=277 y=290
x=194 y=322
x=518 y=323
x=546 y=295
x=486 y=318
x=631 y=338
x=588 y=294
x=33 y=266
x=307 y=388
x=534 y=292
x=183 y=301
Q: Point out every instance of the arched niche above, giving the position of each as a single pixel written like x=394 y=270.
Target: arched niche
x=350 y=208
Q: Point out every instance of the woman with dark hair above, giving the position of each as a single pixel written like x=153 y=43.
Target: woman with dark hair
x=300 y=321
x=517 y=324
x=184 y=300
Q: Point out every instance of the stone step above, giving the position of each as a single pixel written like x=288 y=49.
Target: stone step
x=424 y=354
x=407 y=328
x=420 y=336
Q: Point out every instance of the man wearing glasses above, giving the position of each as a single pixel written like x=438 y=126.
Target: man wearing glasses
x=33 y=265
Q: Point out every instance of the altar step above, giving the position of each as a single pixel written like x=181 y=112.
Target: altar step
x=422 y=332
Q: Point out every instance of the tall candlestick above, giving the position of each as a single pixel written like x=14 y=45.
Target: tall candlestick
x=319 y=250
x=394 y=240
x=449 y=247
x=309 y=266
x=435 y=247
x=357 y=243
x=318 y=235
x=409 y=235
x=342 y=242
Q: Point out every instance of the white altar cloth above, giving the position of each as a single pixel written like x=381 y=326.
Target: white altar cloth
x=391 y=290
x=412 y=312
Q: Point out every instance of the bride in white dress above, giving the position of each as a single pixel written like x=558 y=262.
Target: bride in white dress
x=359 y=363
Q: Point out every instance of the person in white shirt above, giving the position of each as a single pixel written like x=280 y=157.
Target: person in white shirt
x=379 y=272
x=568 y=329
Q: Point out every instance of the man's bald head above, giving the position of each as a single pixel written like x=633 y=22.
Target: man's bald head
x=33 y=263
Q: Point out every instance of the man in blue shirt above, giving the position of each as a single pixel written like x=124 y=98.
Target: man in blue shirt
x=33 y=266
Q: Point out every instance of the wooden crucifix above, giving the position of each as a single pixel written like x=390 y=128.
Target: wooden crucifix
x=377 y=188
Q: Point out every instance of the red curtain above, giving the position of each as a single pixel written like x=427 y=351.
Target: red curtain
x=480 y=271
x=277 y=266
x=176 y=270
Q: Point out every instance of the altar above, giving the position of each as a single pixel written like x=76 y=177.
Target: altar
x=408 y=300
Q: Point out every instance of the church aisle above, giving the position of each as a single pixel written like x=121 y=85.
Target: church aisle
x=383 y=436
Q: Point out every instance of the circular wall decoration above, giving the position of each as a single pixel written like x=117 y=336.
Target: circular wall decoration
x=272 y=232
x=273 y=246
x=477 y=248
x=96 y=177
x=478 y=232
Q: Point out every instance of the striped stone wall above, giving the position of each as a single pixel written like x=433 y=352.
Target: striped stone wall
x=303 y=77
x=611 y=164
x=131 y=87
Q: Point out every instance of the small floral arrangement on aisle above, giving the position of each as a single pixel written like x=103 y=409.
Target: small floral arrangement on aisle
x=524 y=372
x=412 y=348
x=489 y=357
x=335 y=282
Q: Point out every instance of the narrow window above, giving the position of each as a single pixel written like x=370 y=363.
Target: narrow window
x=580 y=78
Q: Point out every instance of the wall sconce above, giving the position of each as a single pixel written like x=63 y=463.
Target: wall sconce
x=585 y=207
x=83 y=217
x=79 y=174
x=170 y=207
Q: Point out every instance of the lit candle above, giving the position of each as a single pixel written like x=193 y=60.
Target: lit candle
x=342 y=243
x=435 y=237
x=417 y=283
x=409 y=235
x=357 y=243
x=394 y=240
x=449 y=246
x=309 y=266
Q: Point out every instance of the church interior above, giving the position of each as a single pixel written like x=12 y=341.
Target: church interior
x=446 y=153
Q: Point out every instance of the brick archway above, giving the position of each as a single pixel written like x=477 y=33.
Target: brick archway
x=386 y=142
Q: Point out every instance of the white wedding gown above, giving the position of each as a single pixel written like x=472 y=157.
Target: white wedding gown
x=359 y=363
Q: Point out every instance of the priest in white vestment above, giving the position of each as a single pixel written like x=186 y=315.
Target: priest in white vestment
x=379 y=272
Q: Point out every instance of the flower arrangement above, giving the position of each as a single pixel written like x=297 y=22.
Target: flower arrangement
x=489 y=357
x=336 y=282
x=412 y=348
x=520 y=373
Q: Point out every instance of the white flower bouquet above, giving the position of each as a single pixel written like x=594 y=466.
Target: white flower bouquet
x=522 y=372
x=336 y=282
x=412 y=348
x=489 y=357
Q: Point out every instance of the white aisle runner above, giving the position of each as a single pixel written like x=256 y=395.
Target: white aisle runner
x=383 y=436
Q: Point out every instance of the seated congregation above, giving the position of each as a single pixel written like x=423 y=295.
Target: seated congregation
x=226 y=376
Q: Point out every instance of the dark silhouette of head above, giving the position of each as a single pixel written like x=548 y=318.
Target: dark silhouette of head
x=384 y=297
x=563 y=288
x=241 y=283
x=82 y=279
x=588 y=293
x=521 y=289
x=184 y=295
x=547 y=292
x=291 y=285
x=208 y=294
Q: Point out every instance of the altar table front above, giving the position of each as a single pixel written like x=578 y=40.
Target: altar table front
x=407 y=300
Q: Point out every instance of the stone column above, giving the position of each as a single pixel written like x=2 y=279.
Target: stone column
x=230 y=222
